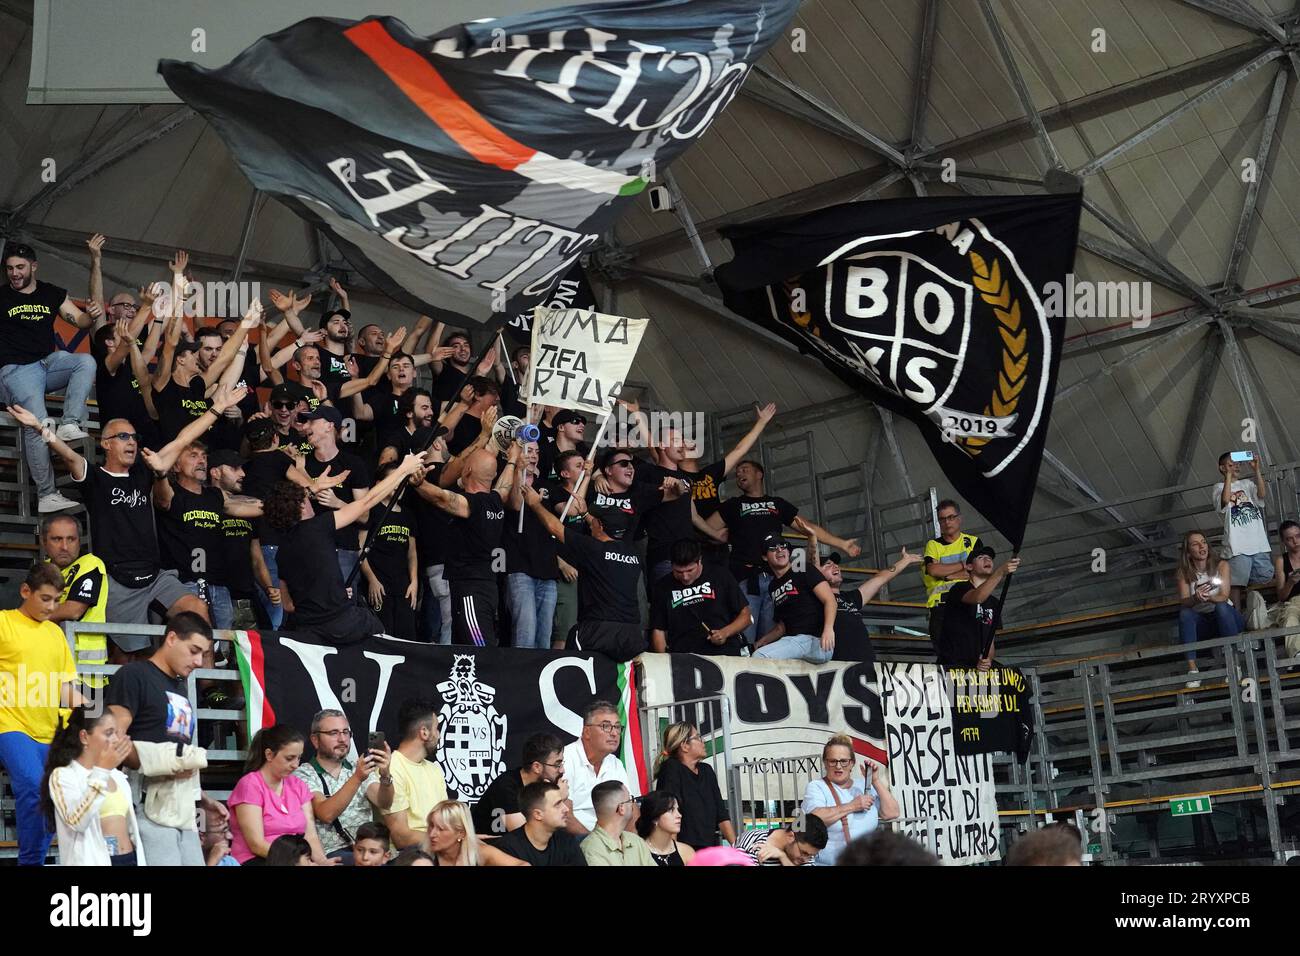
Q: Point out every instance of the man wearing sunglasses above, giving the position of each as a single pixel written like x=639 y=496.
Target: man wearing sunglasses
x=804 y=609
x=120 y=496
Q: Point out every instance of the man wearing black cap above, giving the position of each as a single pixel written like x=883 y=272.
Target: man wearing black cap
x=972 y=615
x=804 y=610
x=609 y=573
x=182 y=387
x=852 y=642
x=32 y=365
x=226 y=474
x=697 y=608
x=569 y=426
x=289 y=400
x=322 y=428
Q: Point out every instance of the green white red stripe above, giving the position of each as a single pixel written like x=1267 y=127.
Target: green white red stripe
x=628 y=715
x=425 y=87
x=252 y=671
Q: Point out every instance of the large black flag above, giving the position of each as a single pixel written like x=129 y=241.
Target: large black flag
x=468 y=171
x=933 y=308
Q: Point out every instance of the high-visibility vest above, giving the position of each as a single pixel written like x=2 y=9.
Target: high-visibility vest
x=86 y=580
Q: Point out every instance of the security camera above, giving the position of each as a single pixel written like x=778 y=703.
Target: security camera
x=661 y=200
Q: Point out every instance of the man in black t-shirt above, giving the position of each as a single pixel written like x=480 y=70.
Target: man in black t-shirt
x=972 y=615
x=804 y=608
x=609 y=572
x=226 y=473
x=852 y=643
x=150 y=701
x=183 y=389
x=32 y=364
x=311 y=585
x=543 y=839
x=532 y=568
x=120 y=494
x=697 y=608
x=322 y=430
x=474 y=555
x=625 y=502
x=750 y=519
x=497 y=811
x=483 y=394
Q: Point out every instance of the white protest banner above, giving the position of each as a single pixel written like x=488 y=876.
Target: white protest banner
x=581 y=358
x=782 y=713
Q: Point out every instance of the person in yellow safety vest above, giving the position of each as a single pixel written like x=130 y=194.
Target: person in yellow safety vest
x=945 y=562
x=85 y=591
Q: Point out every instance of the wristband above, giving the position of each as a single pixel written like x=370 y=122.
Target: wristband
x=387 y=355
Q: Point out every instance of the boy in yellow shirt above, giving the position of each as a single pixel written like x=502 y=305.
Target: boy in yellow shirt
x=36 y=674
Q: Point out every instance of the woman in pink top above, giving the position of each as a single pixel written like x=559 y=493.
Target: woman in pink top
x=269 y=801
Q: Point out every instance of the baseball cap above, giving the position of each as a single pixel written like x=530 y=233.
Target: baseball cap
x=330 y=313
x=568 y=417
x=981 y=550
x=327 y=412
x=832 y=558
x=224 y=458
x=290 y=392
x=772 y=540
x=614 y=520
x=20 y=249
x=258 y=429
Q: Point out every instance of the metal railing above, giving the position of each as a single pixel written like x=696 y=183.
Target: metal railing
x=712 y=716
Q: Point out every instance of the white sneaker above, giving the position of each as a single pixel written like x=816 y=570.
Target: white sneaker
x=55 y=502
x=71 y=431
x=1193 y=684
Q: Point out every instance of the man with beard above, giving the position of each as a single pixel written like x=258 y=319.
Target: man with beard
x=226 y=474
x=497 y=811
x=31 y=364
x=343 y=795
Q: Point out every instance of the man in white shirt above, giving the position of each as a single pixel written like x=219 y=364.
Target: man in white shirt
x=1245 y=539
x=593 y=759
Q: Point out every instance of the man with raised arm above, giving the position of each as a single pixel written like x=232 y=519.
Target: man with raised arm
x=120 y=497
x=32 y=364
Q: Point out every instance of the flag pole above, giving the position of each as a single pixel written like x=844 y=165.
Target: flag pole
x=519 y=472
x=591 y=456
x=991 y=631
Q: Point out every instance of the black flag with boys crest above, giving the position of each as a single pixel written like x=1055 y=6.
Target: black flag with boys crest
x=933 y=308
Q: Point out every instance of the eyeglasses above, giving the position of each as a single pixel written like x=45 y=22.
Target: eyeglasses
x=778 y=547
x=558 y=765
x=949 y=517
x=842 y=762
x=626 y=462
x=125 y=305
x=345 y=732
x=608 y=727
x=284 y=406
x=123 y=436
x=694 y=737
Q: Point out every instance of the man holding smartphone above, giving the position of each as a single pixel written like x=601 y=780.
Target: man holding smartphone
x=1245 y=539
x=341 y=793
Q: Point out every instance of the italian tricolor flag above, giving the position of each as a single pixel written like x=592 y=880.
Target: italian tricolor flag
x=252 y=670
x=632 y=755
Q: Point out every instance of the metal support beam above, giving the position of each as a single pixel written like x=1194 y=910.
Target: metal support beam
x=1162 y=342
x=698 y=298
x=1050 y=156
x=921 y=78
x=90 y=165
x=1279 y=423
x=1252 y=189
x=1086 y=343
x=1085 y=489
x=662 y=274
x=246 y=234
x=1244 y=387
x=895 y=449
x=803 y=105
x=918 y=184
x=880 y=185
x=987 y=175
x=1142 y=135
x=1133 y=261
x=683 y=215
x=1241 y=14
x=1131 y=236
x=1273 y=292
x=1275 y=335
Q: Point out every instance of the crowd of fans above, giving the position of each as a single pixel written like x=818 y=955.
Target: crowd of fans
x=344 y=499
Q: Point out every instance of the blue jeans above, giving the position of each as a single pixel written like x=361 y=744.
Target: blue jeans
x=442 y=594
x=761 y=611
x=532 y=609
x=24 y=760
x=1223 y=621
x=347 y=563
x=223 y=608
x=430 y=612
x=796 y=647
x=26 y=385
x=275 y=612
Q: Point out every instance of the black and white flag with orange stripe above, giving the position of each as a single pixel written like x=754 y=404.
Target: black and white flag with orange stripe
x=935 y=309
x=466 y=172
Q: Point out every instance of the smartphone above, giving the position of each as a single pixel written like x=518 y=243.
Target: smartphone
x=375 y=741
x=1242 y=456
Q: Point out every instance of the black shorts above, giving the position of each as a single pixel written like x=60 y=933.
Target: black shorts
x=353 y=623
x=474 y=613
x=622 y=642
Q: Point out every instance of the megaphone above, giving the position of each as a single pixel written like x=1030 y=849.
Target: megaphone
x=509 y=428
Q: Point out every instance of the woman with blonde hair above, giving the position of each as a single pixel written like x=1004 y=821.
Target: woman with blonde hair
x=682 y=771
x=849 y=810
x=1204 y=588
x=453 y=842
